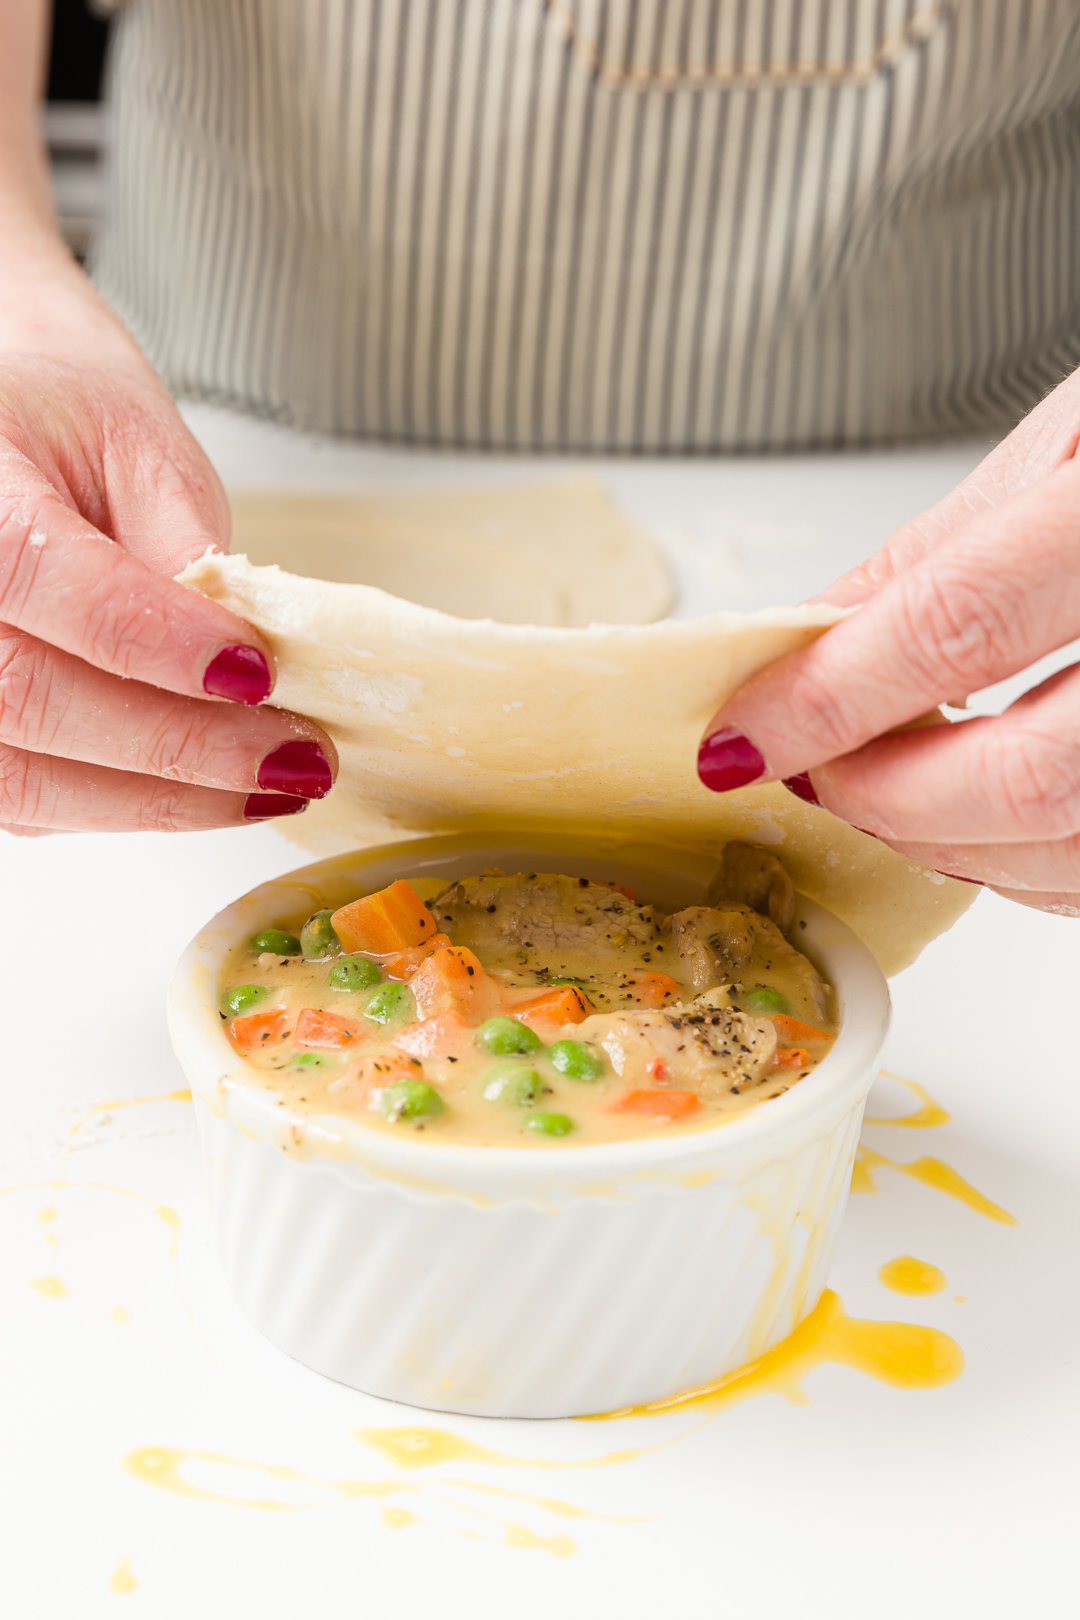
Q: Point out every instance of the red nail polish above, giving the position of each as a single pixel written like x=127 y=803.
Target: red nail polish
x=240 y=674
x=728 y=760
x=802 y=787
x=297 y=767
x=262 y=806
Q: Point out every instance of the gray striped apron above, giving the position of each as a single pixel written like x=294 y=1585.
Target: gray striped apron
x=611 y=225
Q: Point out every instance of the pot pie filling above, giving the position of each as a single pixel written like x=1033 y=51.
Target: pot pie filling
x=518 y=1008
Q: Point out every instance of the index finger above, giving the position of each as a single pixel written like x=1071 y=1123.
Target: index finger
x=982 y=606
x=67 y=584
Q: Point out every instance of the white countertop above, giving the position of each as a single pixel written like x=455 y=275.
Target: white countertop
x=866 y=1499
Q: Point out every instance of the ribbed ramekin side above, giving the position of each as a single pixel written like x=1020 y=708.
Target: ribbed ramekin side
x=513 y=1310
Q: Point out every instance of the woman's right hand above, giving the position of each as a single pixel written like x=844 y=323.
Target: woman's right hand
x=126 y=701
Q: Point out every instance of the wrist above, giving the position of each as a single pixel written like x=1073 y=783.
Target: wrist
x=48 y=306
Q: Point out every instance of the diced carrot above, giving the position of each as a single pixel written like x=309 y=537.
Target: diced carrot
x=791 y=1030
x=257 y=1029
x=447 y=1032
x=376 y=1069
x=658 y=1104
x=392 y=920
x=403 y=964
x=453 y=979
x=653 y=989
x=315 y=1028
x=621 y=888
x=790 y=1057
x=566 y=1005
x=657 y=1069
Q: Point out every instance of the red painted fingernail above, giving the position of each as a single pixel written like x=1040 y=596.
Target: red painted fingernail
x=262 y=806
x=802 y=787
x=727 y=760
x=240 y=674
x=978 y=882
x=297 y=767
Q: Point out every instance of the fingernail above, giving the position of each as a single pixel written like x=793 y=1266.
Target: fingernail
x=727 y=760
x=262 y=806
x=802 y=787
x=978 y=882
x=240 y=674
x=297 y=767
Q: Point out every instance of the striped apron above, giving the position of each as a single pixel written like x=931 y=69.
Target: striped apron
x=610 y=225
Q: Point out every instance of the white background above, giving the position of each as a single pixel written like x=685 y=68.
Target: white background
x=867 y=1500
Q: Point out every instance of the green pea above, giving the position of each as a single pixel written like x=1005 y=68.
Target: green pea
x=576 y=1060
x=506 y=1037
x=389 y=1004
x=243 y=997
x=315 y=1060
x=550 y=1124
x=317 y=937
x=513 y=1083
x=276 y=941
x=411 y=1099
x=765 y=1000
x=353 y=973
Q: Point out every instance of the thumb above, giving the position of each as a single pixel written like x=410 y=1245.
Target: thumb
x=166 y=503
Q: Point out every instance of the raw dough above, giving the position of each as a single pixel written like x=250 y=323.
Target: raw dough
x=446 y=723
x=558 y=552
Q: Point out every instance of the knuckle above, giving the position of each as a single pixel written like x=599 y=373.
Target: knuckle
x=957 y=629
x=125 y=633
x=30 y=709
x=1038 y=777
x=179 y=748
x=23 y=533
x=19 y=788
x=825 y=721
x=166 y=807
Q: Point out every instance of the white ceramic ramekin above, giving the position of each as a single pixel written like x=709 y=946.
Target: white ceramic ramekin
x=540 y=1281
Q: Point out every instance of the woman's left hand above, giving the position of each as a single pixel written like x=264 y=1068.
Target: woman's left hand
x=963 y=596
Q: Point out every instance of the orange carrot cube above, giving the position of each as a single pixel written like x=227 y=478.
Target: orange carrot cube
x=257 y=1029
x=403 y=964
x=658 y=1104
x=394 y=919
x=445 y=1033
x=315 y=1028
x=564 y=1005
x=653 y=989
x=452 y=978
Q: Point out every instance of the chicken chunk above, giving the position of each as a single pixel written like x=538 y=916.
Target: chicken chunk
x=736 y=945
x=539 y=927
x=755 y=877
x=712 y=946
x=711 y=1047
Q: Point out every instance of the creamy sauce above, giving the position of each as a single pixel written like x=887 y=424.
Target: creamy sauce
x=123 y=1580
x=932 y=1173
x=907 y=1275
x=928 y=1116
x=396 y=1518
x=54 y=1288
x=213 y=1476
x=116 y=1105
x=357 y=1033
x=904 y=1354
x=49 y=1287
x=435 y=1448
